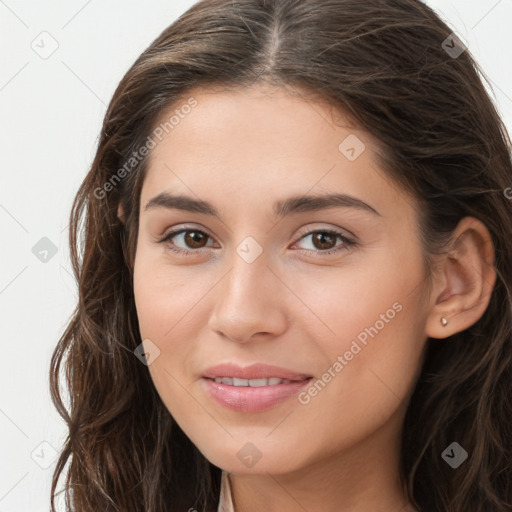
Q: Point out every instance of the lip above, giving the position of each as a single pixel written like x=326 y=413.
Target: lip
x=252 y=399
x=249 y=399
x=254 y=371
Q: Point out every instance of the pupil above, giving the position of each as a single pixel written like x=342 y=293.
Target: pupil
x=320 y=237
x=194 y=236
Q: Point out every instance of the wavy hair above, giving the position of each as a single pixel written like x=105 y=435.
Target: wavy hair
x=385 y=64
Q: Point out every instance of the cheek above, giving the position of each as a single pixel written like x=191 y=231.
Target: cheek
x=164 y=295
x=362 y=300
x=172 y=310
x=372 y=352
x=165 y=311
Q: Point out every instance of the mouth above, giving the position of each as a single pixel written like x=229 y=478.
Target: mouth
x=242 y=397
x=254 y=388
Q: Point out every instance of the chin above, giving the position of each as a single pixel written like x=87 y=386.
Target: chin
x=248 y=459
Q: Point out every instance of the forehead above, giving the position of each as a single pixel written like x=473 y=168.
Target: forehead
x=259 y=144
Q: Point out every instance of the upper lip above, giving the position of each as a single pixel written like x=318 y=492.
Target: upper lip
x=254 y=371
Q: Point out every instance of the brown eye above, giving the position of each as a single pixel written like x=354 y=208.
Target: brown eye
x=186 y=241
x=195 y=239
x=324 y=242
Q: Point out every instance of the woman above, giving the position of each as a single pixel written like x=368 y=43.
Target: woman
x=295 y=278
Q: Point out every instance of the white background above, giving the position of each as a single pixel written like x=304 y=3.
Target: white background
x=50 y=116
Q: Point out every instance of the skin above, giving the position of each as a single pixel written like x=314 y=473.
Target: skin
x=294 y=306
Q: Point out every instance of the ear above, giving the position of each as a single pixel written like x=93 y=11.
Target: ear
x=120 y=213
x=464 y=280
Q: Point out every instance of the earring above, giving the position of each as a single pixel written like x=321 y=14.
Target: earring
x=444 y=322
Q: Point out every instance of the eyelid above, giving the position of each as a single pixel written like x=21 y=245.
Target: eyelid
x=303 y=231
x=342 y=231
x=183 y=227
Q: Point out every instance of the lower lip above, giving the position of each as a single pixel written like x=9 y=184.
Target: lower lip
x=252 y=399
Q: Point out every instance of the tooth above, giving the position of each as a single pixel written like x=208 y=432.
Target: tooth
x=272 y=381
x=257 y=382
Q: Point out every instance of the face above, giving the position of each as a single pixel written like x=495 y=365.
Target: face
x=330 y=293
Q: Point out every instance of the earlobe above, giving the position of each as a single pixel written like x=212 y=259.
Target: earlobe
x=464 y=281
x=120 y=213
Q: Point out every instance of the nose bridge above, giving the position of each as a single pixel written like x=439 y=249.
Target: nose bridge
x=248 y=273
x=246 y=301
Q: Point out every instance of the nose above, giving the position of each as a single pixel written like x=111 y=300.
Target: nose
x=250 y=302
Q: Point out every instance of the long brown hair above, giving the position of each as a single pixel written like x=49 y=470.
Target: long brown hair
x=387 y=65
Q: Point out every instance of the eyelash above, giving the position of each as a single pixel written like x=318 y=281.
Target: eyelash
x=347 y=243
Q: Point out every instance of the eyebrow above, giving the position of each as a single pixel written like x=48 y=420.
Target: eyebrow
x=289 y=206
